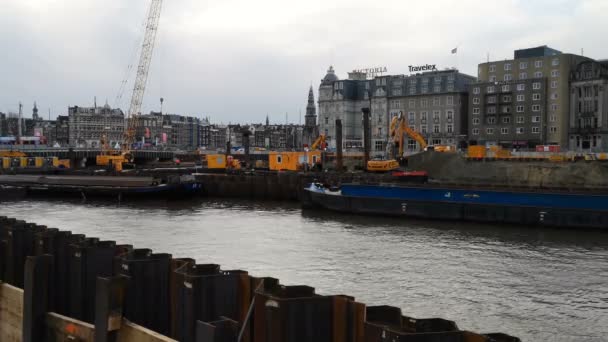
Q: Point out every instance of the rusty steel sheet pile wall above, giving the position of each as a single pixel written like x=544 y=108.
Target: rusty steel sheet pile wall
x=80 y=286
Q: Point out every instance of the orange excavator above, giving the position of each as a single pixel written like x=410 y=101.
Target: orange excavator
x=319 y=143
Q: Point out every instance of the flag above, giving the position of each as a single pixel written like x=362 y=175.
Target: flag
x=454 y=50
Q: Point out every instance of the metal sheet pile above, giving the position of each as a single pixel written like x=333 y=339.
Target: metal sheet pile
x=104 y=283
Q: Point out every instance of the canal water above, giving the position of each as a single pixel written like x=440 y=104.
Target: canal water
x=535 y=283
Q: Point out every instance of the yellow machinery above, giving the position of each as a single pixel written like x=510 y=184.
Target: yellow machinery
x=11 y=154
x=109 y=157
x=476 y=151
x=6 y=163
x=319 y=143
x=382 y=165
x=293 y=161
x=221 y=161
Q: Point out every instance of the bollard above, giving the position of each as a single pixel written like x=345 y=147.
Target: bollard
x=109 y=299
x=36 y=294
x=147 y=301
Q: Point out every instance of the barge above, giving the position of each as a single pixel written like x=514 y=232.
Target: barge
x=526 y=206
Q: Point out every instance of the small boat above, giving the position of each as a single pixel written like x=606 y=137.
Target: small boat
x=523 y=206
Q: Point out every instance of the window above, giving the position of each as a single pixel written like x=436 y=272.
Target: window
x=508 y=77
x=519 y=130
x=506 y=109
x=554 y=73
x=436 y=116
x=396 y=91
x=523 y=75
x=506 y=98
x=412 y=103
x=506 y=88
x=536 y=85
x=424 y=103
x=553 y=107
x=450 y=86
x=519 y=109
x=504 y=130
x=423 y=116
x=475 y=121
x=536 y=96
x=507 y=66
x=506 y=120
x=538 y=74
x=476 y=111
x=521 y=87
x=536 y=130
x=326 y=120
x=492 y=78
x=449 y=115
x=378 y=146
x=536 y=108
x=437 y=79
x=424 y=89
x=538 y=64
x=450 y=128
x=395 y=104
x=279 y=158
x=476 y=100
x=492 y=120
x=555 y=61
x=520 y=119
x=490 y=89
x=411 y=116
x=436 y=129
x=489 y=130
x=412 y=90
x=476 y=90
x=553 y=118
x=449 y=100
x=437 y=88
x=523 y=65
x=552 y=129
x=492 y=110
x=536 y=119
x=553 y=84
x=475 y=131
x=423 y=129
x=436 y=101
x=553 y=96
x=491 y=99
x=521 y=98
x=492 y=68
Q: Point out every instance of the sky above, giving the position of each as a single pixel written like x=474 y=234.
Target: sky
x=240 y=60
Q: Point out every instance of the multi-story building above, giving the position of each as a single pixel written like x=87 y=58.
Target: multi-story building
x=530 y=115
x=434 y=102
x=168 y=130
x=87 y=125
x=217 y=136
x=588 y=122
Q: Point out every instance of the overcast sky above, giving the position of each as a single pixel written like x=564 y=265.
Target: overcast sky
x=239 y=60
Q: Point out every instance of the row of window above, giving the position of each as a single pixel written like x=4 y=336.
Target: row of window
x=449 y=115
x=436 y=101
x=524 y=65
x=506 y=120
x=506 y=109
x=424 y=89
x=518 y=130
x=508 y=98
x=522 y=76
x=507 y=87
x=449 y=128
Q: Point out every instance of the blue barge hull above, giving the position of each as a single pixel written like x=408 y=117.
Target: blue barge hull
x=519 y=207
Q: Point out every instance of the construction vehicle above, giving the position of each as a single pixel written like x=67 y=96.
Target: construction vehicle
x=114 y=158
x=319 y=143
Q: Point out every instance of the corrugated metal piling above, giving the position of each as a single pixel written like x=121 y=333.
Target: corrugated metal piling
x=85 y=289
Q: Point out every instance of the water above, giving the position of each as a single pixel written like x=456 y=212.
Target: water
x=537 y=284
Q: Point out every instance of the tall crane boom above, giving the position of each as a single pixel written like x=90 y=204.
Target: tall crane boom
x=142 y=72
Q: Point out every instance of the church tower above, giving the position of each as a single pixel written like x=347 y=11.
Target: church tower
x=311 y=110
x=35 y=112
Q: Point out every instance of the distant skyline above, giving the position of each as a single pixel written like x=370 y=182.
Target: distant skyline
x=237 y=60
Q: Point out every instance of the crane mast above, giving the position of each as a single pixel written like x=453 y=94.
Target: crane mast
x=143 y=67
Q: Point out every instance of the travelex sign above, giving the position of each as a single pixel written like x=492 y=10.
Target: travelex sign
x=425 y=67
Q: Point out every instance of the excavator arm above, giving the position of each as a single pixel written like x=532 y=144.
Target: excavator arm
x=319 y=142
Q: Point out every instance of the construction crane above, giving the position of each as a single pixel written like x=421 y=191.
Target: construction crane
x=139 y=87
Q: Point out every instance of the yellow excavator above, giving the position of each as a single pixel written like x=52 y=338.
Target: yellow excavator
x=398 y=131
x=319 y=143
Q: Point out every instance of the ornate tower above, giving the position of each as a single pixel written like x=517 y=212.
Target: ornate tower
x=35 y=112
x=310 y=120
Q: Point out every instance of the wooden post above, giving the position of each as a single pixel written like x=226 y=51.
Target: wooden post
x=366 y=136
x=36 y=294
x=339 y=165
x=109 y=298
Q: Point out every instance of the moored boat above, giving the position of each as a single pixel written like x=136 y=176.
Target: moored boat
x=525 y=206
